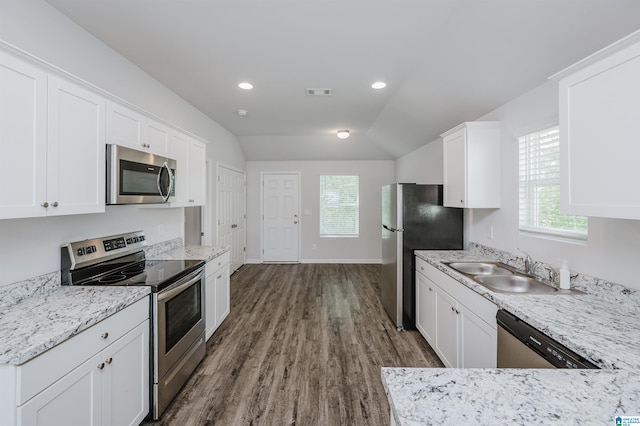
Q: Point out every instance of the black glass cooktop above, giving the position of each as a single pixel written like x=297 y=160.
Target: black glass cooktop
x=157 y=274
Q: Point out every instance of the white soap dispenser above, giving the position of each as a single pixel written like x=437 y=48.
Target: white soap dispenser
x=565 y=276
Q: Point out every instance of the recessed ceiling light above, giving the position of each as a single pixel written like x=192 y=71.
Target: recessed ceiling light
x=245 y=85
x=343 y=134
x=379 y=85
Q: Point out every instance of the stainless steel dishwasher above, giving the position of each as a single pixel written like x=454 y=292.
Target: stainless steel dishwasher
x=522 y=346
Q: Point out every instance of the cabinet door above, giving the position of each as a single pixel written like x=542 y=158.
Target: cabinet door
x=223 y=302
x=124 y=126
x=157 y=138
x=197 y=173
x=76 y=150
x=125 y=386
x=455 y=178
x=180 y=153
x=599 y=125
x=75 y=399
x=210 y=300
x=23 y=138
x=446 y=328
x=478 y=341
x=426 y=308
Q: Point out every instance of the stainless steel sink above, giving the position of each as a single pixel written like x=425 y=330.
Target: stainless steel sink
x=479 y=268
x=514 y=284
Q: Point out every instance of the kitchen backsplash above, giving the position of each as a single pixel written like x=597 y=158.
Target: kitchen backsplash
x=609 y=291
x=14 y=293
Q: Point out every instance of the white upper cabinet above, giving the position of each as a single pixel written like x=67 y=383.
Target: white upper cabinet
x=471 y=165
x=599 y=132
x=129 y=128
x=53 y=133
x=191 y=170
x=23 y=138
x=76 y=150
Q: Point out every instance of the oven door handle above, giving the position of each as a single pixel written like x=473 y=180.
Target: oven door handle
x=172 y=180
x=180 y=286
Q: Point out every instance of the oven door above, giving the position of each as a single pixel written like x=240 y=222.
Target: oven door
x=179 y=321
x=136 y=177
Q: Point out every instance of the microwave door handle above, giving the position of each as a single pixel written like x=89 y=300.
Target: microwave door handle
x=171 y=182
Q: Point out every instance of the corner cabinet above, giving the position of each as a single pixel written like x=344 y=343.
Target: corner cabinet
x=55 y=133
x=599 y=128
x=471 y=165
x=459 y=324
x=98 y=377
x=217 y=292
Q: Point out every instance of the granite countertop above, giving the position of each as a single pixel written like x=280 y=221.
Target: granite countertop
x=205 y=253
x=604 y=331
x=602 y=327
x=439 y=396
x=40 y=322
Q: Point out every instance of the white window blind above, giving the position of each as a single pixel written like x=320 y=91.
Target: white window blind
x=339 y=205
x=540 y=188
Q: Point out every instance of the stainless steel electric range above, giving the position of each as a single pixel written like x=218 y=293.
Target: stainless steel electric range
x=177 y=303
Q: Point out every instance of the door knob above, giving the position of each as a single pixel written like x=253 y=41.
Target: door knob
x=55 y=204
x=45 y=204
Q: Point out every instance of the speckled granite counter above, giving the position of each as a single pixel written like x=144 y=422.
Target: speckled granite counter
x=606 y=331
x=601 y=325
x=439 y=396
x=205 y=253
x=39 y=322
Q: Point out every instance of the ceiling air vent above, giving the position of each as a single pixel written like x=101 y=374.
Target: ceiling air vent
x=318 y=92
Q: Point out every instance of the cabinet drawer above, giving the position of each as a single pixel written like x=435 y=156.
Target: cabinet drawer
x=44 y=370
x=216 y=263
x=482 y=307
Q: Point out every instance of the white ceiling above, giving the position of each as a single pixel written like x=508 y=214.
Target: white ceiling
x=445 y=61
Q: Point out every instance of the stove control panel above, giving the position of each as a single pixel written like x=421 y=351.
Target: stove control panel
x=82 y=251
x=114 y=244
x=89 y=252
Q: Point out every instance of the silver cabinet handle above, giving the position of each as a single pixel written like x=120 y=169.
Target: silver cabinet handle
x=45 y=204
x=55 y=204
x=430 y=289
x=104 y=335
x=192 y=201
x=218 y=277
x=109 y=361
x=295 y=222
x=101 y=366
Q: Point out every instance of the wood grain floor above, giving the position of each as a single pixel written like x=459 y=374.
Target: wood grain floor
x=303 y=345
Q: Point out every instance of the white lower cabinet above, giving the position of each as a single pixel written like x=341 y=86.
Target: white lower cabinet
x=99 y=377
x=217 y=292
x=459 y=324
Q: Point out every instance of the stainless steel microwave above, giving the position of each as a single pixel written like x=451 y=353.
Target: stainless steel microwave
x=136 y=177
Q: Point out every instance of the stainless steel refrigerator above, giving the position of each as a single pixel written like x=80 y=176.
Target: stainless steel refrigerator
x=413 y=218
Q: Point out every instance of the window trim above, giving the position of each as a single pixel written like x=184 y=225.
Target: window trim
x=357 y=234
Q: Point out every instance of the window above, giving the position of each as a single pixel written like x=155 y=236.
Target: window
x=540 y=188
x=339 y=206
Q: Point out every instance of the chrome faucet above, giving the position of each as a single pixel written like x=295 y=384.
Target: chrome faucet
x=553 y=274
x=528 y=262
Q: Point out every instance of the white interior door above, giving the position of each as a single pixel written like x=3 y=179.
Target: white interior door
x=280 y=218
x=232 y=214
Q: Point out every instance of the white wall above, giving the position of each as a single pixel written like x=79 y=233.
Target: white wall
x=423 y=166
x=366 y=248
x=613 y=246
x=30 y=247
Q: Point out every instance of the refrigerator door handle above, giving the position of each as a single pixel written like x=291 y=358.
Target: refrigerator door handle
x=388 y=228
